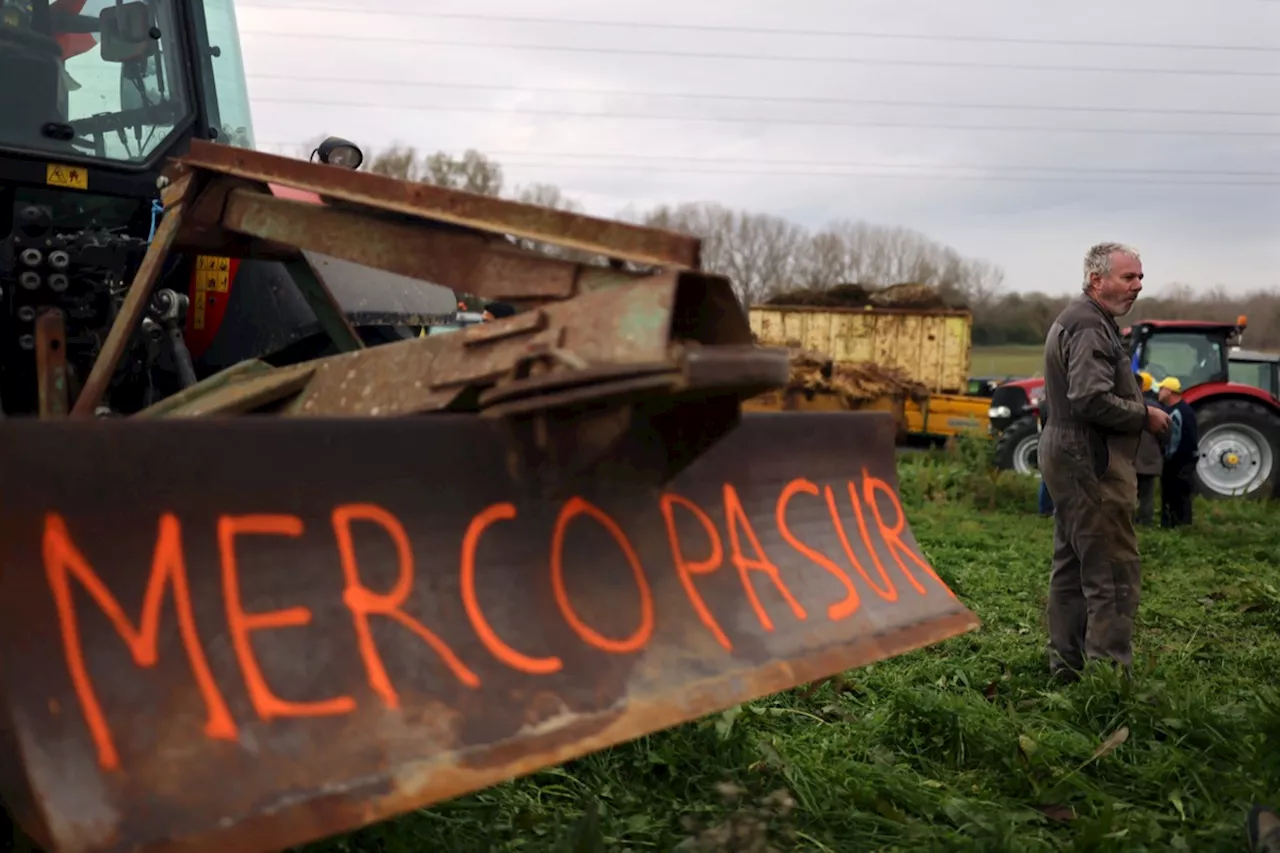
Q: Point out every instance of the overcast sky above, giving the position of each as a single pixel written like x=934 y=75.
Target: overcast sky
x=1202 y=206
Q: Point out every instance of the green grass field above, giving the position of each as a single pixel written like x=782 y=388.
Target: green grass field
x=1016 y=361
x=962 y=746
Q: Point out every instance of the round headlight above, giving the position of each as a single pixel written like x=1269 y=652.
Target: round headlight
x=339 y=152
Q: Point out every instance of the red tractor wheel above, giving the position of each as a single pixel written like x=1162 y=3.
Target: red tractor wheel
x=1239 y=449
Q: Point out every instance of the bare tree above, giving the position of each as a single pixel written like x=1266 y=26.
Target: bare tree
x=763 y=254
x=547 y=195
x=551 y=196
x=397 y=162
x=472 y=172
x=757 y=252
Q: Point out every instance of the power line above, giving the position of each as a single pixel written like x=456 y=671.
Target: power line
x=758 y=57
x=1082 y=177
x=726 y=28
x=988 y=167
x=1143 y=131
x=801 y=99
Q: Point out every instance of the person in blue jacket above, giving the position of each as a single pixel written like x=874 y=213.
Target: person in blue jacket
x=1045 y=499
x=1177 y=485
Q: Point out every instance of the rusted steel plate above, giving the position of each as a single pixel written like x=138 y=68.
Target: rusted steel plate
x=465 y=261
x=193 y=395
x=51 y=363
x=632 y=324
x=590 y=234
x=244 y=394
x=293 y=629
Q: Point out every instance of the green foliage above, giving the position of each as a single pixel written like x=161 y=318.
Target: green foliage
x=1016 y=361
x=964 y=472
x=966 y=745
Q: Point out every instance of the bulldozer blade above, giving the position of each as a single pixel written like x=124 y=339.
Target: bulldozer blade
x=250 y=633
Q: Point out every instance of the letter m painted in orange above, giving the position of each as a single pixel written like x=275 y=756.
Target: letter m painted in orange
x=63 y=561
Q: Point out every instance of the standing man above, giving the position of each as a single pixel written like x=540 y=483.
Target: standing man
x=1150 y=461
x=1180 y=455
x=1087 y=452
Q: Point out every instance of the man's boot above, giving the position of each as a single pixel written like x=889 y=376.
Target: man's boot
x=1264 y=831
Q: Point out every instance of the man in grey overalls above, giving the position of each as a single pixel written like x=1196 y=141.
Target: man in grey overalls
x=1087 y=456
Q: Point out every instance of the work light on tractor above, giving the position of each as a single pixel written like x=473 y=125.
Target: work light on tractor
x=280 y=560
x=339 y=152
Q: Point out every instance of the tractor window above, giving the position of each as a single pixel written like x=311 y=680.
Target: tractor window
x=1193 y=358
x=222 y=71
x=1259 y=374
x=110 y=87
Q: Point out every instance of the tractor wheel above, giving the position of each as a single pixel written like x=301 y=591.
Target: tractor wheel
x=1016 y=447
x=1239 y=449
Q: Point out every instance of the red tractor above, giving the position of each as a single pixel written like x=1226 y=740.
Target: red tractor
x=1233 y=392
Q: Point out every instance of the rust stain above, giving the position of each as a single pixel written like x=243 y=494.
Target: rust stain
x=601 y=236
x=51 y=364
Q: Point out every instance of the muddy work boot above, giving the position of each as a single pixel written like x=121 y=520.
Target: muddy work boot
x=1264 y=831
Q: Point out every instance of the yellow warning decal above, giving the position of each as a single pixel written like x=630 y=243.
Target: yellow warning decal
x=74 y=177
x=202 y=298
x=214 y=271
x=213 y=275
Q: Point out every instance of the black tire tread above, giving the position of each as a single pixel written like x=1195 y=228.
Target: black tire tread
x=1009 y=440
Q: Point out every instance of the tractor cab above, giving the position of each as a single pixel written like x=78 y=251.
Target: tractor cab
x=109 y=90
x=1194 y=351
x=96 y=98
x=1259 y=370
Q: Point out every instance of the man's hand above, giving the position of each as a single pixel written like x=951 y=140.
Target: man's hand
x=1157 y=420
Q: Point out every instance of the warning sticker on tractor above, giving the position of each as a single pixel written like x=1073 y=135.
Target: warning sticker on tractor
x=74 y=177
x=213 y=275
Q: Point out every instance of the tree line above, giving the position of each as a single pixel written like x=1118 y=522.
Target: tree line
x=764 y=254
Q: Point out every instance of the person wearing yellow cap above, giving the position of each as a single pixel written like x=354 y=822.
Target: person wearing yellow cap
x=1149 y=462
x=1180 y=455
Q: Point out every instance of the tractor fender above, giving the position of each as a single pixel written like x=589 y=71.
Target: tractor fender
x=1198 y=393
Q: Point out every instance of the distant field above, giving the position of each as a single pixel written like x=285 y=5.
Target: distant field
x=1007 y=361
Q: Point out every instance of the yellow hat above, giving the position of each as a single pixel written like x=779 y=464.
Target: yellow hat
x=1146 y=380
x=1171 y=383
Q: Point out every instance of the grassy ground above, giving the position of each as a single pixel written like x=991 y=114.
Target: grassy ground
x=1015 y=361
x=966 y=745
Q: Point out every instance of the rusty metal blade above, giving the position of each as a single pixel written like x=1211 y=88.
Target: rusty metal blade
x=295 y=628
x=607 y=237
x=633 y=326
x=463 y=260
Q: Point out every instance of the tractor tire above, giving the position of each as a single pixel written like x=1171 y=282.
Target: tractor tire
x=1016 y=447
x=1239 y=450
